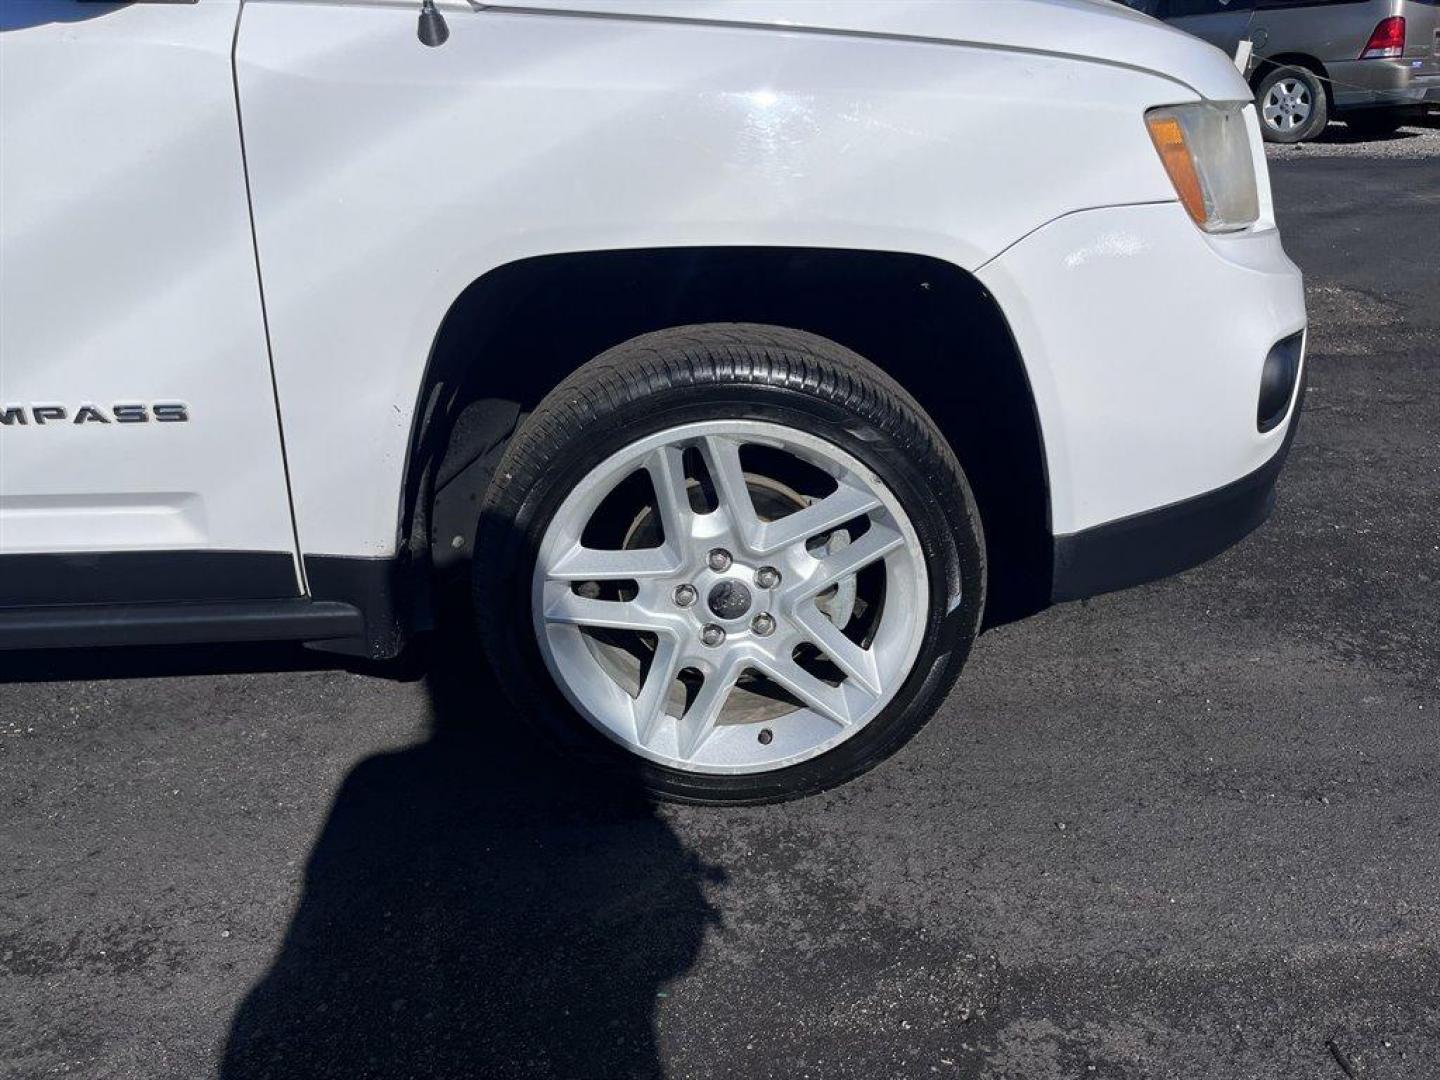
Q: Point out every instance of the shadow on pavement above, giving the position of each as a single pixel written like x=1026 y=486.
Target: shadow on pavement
x=473 y=907
x=1338 y=133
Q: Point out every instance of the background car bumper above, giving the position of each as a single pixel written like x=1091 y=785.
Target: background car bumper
x=1369 y=83
x=1145 y=341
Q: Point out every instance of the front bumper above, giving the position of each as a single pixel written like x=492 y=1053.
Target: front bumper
x=1145 y=340
x=1162 y=542
x=1359 y=84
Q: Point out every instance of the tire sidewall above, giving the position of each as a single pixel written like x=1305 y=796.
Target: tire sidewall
x=935 y=497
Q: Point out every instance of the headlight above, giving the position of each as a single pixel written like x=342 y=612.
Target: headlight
x=1206 y=151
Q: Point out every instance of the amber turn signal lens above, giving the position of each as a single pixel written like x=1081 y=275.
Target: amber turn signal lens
x=1169 y=138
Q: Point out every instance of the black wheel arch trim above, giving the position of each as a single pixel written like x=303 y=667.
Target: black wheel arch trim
x=474 y=360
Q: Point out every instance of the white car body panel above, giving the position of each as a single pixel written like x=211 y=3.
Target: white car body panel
x=1163 y=409
x=1166 y=407
x=1050 y=27
x=381 y=177
x=127 y=275
x=387 y=176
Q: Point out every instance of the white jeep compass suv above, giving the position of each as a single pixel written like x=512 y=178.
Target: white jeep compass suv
x=746 y=354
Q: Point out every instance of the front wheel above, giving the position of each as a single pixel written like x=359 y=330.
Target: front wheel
x=1292 y=104
x=738 y=562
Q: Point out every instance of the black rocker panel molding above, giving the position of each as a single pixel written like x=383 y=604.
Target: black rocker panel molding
x=145 y=577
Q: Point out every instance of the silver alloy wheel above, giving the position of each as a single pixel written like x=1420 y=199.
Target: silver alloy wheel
x=681 y=710
x=1288 y=105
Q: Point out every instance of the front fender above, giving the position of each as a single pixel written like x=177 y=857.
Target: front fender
x=386 y=176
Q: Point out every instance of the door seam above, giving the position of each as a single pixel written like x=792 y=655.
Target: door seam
x=264 y=307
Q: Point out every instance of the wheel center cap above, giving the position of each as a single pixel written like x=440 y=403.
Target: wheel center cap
x=729 y=600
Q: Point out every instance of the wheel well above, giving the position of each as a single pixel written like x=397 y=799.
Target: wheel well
x=1264 y=66
x=515 y=333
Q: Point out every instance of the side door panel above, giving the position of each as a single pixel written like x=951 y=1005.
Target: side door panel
x=138 y=406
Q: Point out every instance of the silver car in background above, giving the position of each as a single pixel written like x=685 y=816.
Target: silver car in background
x=1372 y=63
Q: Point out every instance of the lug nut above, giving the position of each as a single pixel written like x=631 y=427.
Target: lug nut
x=712 y=635
x=767 y=577
x=719 y=560
x=685 y=595
x=763 y=624
x=766 y=737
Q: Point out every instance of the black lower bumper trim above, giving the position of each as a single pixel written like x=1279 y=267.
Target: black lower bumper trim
x=177 y=624
x=1159 y=543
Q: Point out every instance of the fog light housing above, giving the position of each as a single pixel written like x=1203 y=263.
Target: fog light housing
x=1277 y=381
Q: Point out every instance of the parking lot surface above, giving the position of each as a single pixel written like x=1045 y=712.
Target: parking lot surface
x=1185 y=831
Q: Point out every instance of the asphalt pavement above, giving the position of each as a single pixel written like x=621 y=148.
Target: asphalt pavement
x=1187 y=831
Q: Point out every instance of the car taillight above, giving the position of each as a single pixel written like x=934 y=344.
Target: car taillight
x=1388 y=40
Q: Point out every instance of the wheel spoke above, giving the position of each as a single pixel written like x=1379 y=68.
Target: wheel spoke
x=851 y=559
x=842 y=505
x=699 y=720
x=598 y=564
x=666 y=467
x=722 y=459
x=650 y=702
x=857 y=663
x=566 y=608
x=592 y=641
x=829 y=701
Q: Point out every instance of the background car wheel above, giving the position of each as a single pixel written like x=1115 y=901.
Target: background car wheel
x=1376 y=123
x=738 y=562
x=1292 y=104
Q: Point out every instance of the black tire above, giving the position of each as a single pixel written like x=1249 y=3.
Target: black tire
x=1376 y=123
x=1319 y=104
x=709 y=372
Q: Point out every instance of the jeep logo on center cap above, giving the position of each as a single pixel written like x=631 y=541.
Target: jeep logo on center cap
x=729 y=600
